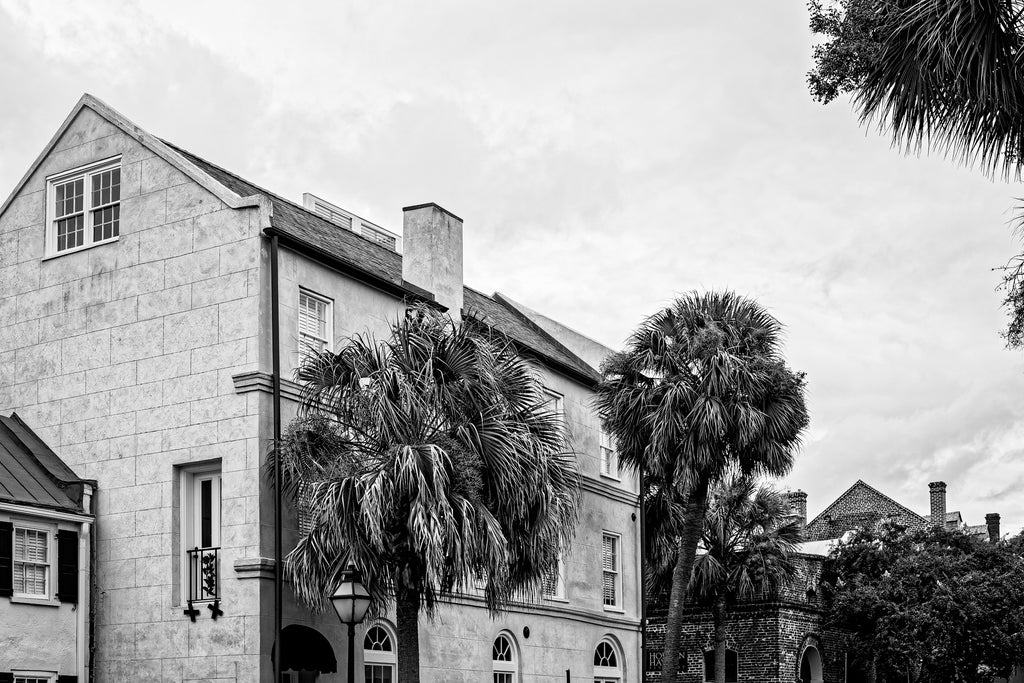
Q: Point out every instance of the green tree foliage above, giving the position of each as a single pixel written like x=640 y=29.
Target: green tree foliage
x=701 y=388
x=934 y=605
x=748 y=537
x=937 y=74
x=431 y=461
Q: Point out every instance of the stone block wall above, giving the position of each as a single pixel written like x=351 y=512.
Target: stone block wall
x=121 y=357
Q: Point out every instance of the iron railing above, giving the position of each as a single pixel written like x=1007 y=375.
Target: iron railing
x=203 y=580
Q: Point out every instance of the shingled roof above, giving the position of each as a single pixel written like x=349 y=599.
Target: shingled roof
x=301 y=227
x=32 y=474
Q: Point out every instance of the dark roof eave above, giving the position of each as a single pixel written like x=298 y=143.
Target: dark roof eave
x=406 y=290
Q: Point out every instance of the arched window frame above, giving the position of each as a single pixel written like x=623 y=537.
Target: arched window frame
x=377 y=660
x=604 y=673
x=504 y=671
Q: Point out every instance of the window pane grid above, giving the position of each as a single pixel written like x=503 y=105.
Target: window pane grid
x=378 y=673
x=86 y=209
x=31 y=562
x=610 y=569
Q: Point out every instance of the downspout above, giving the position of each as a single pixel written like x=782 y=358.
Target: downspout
x=83 y=644
x=643 y=580
x=276 y=352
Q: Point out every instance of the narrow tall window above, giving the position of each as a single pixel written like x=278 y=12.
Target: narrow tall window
x=554 y=581
x=732 y=666
x=609 y=458
x=83 y=207
x=31 y=563
x=315 y=325
x=379 y=655
x=201 y=522
x=504 y=660
x=610 y=587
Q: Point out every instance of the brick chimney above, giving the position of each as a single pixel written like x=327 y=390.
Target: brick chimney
x=432 y=258
x=937 y=497
x=798 y=502
x=992 y=522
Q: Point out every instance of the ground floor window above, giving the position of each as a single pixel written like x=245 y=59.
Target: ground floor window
x=607 y=662
x=380 y=656
x=504 y=659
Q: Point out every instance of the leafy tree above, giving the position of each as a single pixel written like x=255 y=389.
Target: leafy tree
x=747 y=541
x=430 y=461
x=701 y=388
x=933 y=605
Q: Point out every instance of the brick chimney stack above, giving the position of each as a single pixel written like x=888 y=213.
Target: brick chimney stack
x=798 y=502
x=937 y=497
x=432 y=253
x=992 y=522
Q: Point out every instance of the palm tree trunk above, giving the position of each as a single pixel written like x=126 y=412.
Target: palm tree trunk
x=693 y=523
x=407 y=612
x=718 y=613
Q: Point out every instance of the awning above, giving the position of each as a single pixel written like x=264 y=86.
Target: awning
x=306 y=649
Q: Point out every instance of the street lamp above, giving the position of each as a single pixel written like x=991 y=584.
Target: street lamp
x=351 y=601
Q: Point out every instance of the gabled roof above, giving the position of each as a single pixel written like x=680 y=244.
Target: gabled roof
x=32 y=474
x=151 y=142
x=835 y=509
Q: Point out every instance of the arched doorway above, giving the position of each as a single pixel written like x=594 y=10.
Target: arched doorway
x=810 y=665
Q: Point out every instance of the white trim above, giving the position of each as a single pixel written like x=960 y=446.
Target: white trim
x=328 y=338
x=609 y=472
x=44 y=513
x=559 y=595
x=616 y=570
x=610 y=673
x=86 y=172
x=50 y=529
x=503 y=667
x=558 y=400
x=382 y=658
x=190 y=475
x=50 y=676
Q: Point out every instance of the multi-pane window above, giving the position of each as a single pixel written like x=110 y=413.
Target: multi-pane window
x=315 y=326
x=553 y=402
x=83 y=207
x=610 y=570
x=504 y=660
x=33 y=678
x=554 y=580
x=609 y=458
x=31 y=562
x=379 y=656
x=607 y=668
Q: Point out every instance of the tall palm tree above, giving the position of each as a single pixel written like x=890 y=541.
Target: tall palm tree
x=700 y=388
x=747 y=540
x=431 y=462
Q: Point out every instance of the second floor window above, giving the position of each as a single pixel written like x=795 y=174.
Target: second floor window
x=610 y=585
x=315 y=324
x=83 y=207
x=554 y=581
x=31 y=563
x=609 y=458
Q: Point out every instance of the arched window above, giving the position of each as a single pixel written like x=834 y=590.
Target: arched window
x=504 y=659
x=379 y=654
x=732 y=666
x=810 y=665
x=607 y=663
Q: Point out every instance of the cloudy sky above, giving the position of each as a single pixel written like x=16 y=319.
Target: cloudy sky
x=605 y=156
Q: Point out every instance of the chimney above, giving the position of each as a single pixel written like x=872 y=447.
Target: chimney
x=798 y=502
x=432 y=258
x=992 y=522
x=937 y=497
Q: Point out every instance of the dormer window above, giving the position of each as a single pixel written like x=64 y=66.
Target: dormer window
x=83 y=207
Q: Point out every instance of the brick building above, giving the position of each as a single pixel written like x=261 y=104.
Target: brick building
x=139 y=290
x=784 y=640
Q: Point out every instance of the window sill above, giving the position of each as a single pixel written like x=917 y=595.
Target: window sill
x=617 y=610
x=613 y=478
x=48 y=256
x=556 y=598
x=29 y=600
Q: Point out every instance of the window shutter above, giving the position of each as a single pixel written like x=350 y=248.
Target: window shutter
x=6 y=563
x=67 y=566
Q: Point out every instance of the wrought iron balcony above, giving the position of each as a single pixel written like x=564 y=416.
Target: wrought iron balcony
x=203 y=580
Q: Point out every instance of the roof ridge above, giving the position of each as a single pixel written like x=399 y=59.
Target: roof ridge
x=861 y=482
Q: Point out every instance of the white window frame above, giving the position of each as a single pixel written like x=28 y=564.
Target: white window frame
x=21 y=676
x=506 y=668
x=609 y=456
x=86 y=172
x=50 y=530
x=557 y=399
x=616 y=571
x=559 y=593
x=609 y=674
x=328 y=340
x=381 y=658
x=192 y=477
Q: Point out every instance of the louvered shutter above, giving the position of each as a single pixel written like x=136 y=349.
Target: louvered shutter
x=67 y=566
x=6 y=561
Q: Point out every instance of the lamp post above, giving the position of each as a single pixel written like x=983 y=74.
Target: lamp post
x=351 y=600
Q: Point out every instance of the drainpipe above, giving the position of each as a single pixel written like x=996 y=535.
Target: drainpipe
x=643 y=581
x=84 y=607
x=276 y=353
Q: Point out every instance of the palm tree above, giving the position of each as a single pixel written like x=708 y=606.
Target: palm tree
x=700 y=388
x=431 y=462
x=748 y=537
